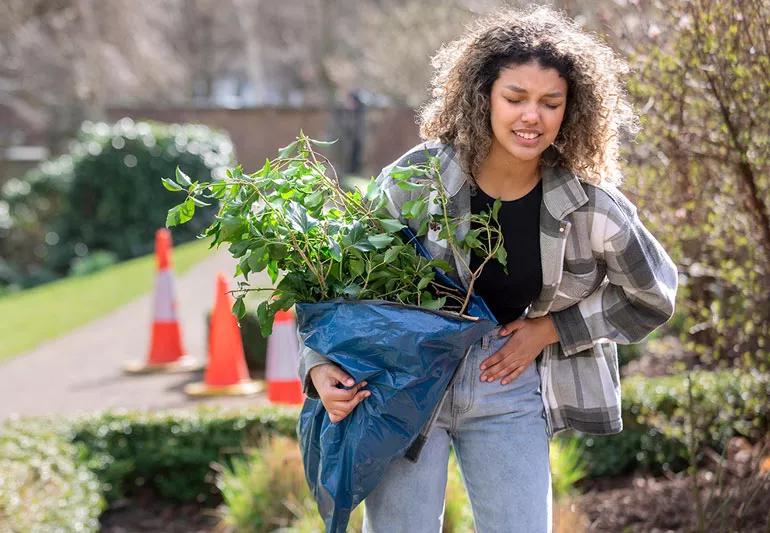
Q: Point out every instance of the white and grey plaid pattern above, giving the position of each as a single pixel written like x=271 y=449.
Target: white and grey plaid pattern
x=606 y=280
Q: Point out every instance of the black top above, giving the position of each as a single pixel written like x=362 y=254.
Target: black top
x=508 y=295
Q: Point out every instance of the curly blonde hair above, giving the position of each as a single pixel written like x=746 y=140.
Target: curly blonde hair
x=597 y=107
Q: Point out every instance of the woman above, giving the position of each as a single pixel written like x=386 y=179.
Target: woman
x=526 y=108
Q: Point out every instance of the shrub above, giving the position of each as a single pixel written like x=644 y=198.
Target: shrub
x=701 y=165
x=44 y=484
x=656 y=420
x=724 y=404
x=93 y=262
x=103 y=195
x=263 y=490
x=173 y=452
x=458 y=516
x=567 y=467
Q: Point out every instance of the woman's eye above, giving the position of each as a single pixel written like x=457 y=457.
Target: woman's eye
x=549 y=106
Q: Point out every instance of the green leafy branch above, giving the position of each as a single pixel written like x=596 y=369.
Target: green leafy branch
x=317 y=241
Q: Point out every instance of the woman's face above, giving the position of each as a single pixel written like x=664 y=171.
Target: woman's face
x=527 y=104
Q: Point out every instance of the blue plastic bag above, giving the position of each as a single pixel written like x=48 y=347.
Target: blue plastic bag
x=408 y=356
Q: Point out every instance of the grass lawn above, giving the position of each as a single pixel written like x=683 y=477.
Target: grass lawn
x=32 y=316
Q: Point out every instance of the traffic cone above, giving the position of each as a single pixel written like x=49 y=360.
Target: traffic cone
x=226 y=372
x=283 y=385
x=166 y=353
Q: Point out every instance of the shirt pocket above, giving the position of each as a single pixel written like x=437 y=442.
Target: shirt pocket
x=578 y=286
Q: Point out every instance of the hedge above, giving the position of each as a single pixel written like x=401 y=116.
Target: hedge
x=55 y=472
x=656 y=419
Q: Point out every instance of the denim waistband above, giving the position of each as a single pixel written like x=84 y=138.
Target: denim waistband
x=487 y=339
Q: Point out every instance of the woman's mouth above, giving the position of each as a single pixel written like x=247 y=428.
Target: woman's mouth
x=527 y=138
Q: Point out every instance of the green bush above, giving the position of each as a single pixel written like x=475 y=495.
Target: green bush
x=173 y=452
x=103 y=195
x=724 y=404
x=265 y=489
x=93 y=262
x=567 y=466
x=62 y=472
x=44 y=483
x=657 y=418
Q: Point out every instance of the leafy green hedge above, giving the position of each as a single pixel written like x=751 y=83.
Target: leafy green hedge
x=58 y=472
x=173 y=451
x=657 y=418
x=103 y=195
x=44 y=483
x=63 y=472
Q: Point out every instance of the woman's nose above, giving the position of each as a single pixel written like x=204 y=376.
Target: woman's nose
x=530 y=117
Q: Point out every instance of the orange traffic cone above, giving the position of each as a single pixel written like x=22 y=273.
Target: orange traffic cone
x=283 y=385
x=226 y=372
x=166 y=353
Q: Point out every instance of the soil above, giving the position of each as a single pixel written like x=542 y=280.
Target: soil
x=646 y=504
x=147 y=514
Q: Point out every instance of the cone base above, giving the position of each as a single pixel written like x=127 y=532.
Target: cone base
x=186 y=363
x=244 y=388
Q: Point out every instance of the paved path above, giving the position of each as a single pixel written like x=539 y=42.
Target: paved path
x=82 y=370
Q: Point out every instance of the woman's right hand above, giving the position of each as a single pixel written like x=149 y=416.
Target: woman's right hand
x=338 y=402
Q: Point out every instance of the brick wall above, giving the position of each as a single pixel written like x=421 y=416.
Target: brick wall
x=258 y=133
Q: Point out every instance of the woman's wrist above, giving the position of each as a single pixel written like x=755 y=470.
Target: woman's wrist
x=548 y=328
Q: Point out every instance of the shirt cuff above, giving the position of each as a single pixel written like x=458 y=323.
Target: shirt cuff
x=573 y=332
x=310 y=360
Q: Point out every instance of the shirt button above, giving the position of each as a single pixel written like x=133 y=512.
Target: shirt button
x=561 y=230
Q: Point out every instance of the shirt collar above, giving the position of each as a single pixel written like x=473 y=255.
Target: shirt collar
x=562 y=191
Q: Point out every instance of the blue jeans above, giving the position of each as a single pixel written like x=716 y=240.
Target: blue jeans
x=499 y=436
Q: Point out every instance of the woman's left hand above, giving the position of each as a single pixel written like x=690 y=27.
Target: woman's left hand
x=528 y=338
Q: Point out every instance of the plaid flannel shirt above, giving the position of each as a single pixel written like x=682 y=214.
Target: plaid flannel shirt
x=606 y=280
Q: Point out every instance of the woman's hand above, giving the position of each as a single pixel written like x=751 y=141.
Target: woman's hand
x=528 y=338
x=338 y=402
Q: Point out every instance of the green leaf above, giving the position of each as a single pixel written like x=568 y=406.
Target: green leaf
x=231 y=226
x=430 y=303
x=315 y=199
x=404 y=173
x=181 y=213
x=357 y=267
x=380 y=241
x=352 y=290
x=334 y=249
x=496 y=208
x=238 y=248
x=322 y=143
x=391 y=225
x=406 y=207
x=171 y=185
x=288 y=150
x=182 y=178
x=392 y=254
x=265 y=318
x=239 y=307
x=256 y=260
x=218 y=189
x=441 y=264
x=199 y=202
x=502 y=256
x=372 y=190
x=420 y=208
x=409 y=185
x=173 y=216
x=297 y=215
x=424 y=282
x=272 y=270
